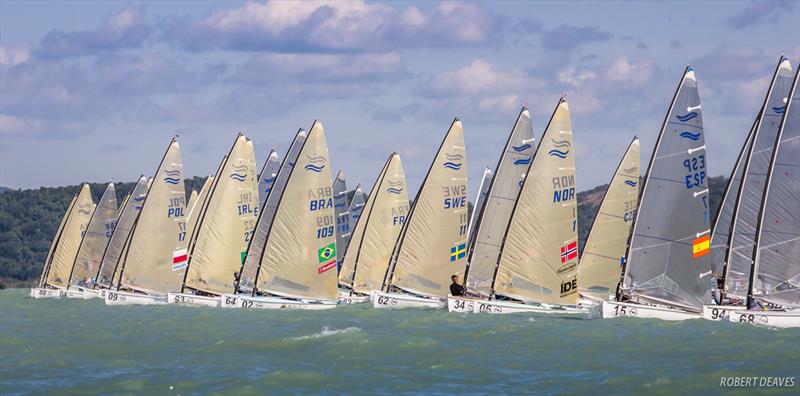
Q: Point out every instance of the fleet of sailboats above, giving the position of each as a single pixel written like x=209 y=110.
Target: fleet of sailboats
x=290 y=236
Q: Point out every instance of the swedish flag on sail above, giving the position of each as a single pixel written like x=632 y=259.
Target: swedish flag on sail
x=458 y=252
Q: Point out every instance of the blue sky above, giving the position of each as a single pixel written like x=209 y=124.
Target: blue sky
x=94 y=90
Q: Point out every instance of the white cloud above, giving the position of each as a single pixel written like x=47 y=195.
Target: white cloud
x=16 y=126
x=621 y=69
x=480 y=77
x=13 y=55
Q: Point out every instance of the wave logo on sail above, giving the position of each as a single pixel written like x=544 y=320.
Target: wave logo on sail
x=631 y=169
x=779 y=109
x=454 y=161
x=559 y=144
x=689 y=135
x=239 y=173
x=630 y=183
x=172 y=176
x=523 y=161
x=139 y=202
x=269 y=182
x=395 y=187
x=85 y=208
x=686 y=117
x=316 y=163
x=521 y=148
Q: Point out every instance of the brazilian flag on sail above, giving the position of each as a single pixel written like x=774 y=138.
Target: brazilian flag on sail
x=327 y=253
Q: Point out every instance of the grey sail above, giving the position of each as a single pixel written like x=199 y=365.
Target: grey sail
x=722 y=225
x=739 y=258
x=343 y=230
x=502 y=192
x=480 y=200
x=266 y=212
x=94 y=241
x=266 y=179
x=356 y=206
x=776 y=272
x=127 y=218
x=668 y=250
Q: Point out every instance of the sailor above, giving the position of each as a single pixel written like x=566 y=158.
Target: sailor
x=455 y=288
x=235 y=280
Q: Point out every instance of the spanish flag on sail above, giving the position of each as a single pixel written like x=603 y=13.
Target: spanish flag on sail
x=700 y=246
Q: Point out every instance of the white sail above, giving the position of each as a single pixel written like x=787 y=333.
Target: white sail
x=502 y=193
x=776 y=271
x=54 y=242
x=156 y=257
x=480 y=200
x=539 y=255
x=66 y=250
x=433 y=244
x=356 y=206
x=370 y=250
x=739 y=258
x=667 y=257
x=127 y=217
x=266 y=213
x=299 y=258
x=190 y=204
x=98 y=233
x=225 y=223
x=600 y=265
x=343 y=230
x=266 y=179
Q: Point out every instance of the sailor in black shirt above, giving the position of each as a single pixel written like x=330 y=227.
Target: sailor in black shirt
x=455 y=288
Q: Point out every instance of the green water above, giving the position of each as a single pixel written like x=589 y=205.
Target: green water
x=84 y=347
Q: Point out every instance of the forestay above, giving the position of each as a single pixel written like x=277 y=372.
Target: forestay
x=94 y=241
x=601 y=263
x=539 y=255
x=668 y=250
x=343 y=230
x=60 y=266
x=122 y=230
x=743 y=232
x=433 y=245
x=299 y=258
x=502 y=193
x=777 y=260
x=156 y=257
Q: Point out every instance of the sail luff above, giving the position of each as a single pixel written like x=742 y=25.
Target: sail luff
x=54 y=242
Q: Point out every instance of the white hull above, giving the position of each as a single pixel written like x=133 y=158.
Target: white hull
x=613 y=309
x=193 y=299
x=89 y=294
x=508 y=307
x=41 y=292
x=125 y=298
x=345 y=297
x=72 y=293
x=461 y=304
x=385 y=300
x=260 y=302
x=229 y=301
x=720 y=312
x=767 y=318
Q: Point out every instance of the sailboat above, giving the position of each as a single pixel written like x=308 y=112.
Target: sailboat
x=480 y=200
x=773 y=296
x=93 y=244
x=600 y=264
x=155 y=258
x=224 y=227
x=61 y=256
x=266 y=178
x=266 y=213
x=739 y=233
x=537 y=263
x=109 y=264
x=199 y=204
x=343 y=230
x=664 y=274
x=190 y=204
x=356 y=206
x=297 y=265
x=367 y=257
x=432 y=245
x=492 y=219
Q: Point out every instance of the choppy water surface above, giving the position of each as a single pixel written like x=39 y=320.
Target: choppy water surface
x=84 y=347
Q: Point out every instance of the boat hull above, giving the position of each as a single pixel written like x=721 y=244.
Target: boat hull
x=125 y=298
x=41 y=292
x=767 y=318
x=193 y=299
x=72 y=293
x=614 y=309
x=260 y=302
x=89 y=294
x=347 y=298
x=229 y=301
x=461 y=304
x=508 y=307
x=720 y=312
x=384 y=300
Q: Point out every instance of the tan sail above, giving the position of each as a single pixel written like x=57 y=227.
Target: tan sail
x=379 y=227
x=601 y=263
x=200 y=203
x=226 y=223
x=64 y=253
x=95 y=239
x=190 y=204
x=433 y=246
x=299 y=259
x=539 y=257
x=156 y=258
x=54 y=243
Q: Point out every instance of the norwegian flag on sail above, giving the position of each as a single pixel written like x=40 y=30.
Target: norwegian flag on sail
x=569 y=252
x=180 y=259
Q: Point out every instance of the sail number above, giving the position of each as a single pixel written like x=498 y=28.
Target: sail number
x=695 y=167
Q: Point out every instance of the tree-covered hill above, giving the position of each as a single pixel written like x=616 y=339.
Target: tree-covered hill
x=29 y=218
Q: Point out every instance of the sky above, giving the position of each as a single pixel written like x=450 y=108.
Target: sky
x=95 y=90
